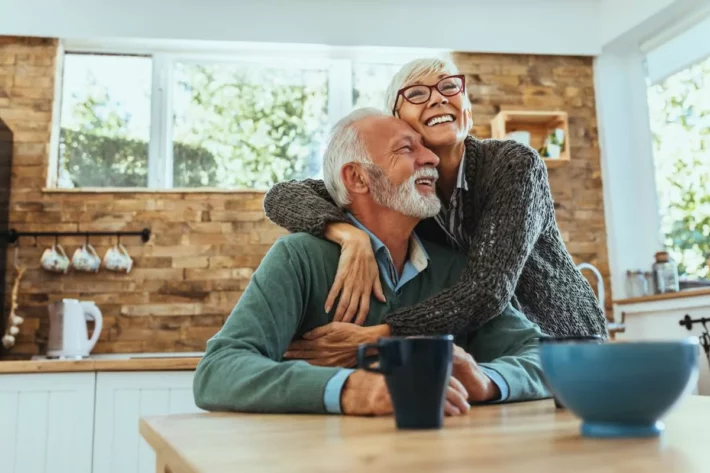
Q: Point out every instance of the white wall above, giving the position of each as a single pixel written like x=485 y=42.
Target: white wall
x=628 y=172
x=688 y=47
x=510 y=26
x=619 y=16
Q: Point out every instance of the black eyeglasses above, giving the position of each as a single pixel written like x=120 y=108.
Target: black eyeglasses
x=420 y=93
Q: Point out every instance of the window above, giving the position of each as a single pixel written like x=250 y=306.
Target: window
x=105 y=121
x=679 y=108
x=243 y=120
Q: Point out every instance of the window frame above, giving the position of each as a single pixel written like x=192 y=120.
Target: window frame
x=166 y=54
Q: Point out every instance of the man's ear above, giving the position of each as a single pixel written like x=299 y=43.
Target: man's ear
x=355 y=178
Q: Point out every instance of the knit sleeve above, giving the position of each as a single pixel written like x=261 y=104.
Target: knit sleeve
x=302 y=206
x=518 y=208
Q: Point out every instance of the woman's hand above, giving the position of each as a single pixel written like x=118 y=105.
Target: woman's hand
x=357 y=277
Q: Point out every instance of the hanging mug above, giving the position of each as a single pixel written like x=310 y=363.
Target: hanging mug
x=117 y=259
x=86 y=259
x=54 y=259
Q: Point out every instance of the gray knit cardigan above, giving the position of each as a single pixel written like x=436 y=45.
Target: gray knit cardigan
x=516 y=253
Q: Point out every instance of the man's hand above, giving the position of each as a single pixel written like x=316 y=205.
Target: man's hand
x=478 y=385
x=366 y=394
x=334 y=344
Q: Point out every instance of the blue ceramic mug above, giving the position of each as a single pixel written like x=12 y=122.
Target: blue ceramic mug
x=417 y=372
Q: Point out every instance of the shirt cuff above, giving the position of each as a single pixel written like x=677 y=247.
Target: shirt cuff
x=331 y=397
x=499 y=381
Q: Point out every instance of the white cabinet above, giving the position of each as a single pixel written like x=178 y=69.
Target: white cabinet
x=659 y=320
x=121 y=399
x=46 y=422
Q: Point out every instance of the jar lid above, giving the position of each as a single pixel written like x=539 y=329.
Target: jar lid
x=662 y=256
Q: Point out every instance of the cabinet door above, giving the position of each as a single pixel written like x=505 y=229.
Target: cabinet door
x=121 y=400
x=664 y=325
x=46 y=422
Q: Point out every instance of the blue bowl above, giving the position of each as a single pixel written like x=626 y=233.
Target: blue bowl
x=620 y=389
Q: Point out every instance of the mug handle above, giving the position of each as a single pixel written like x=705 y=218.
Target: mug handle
x=91 y=249
x=365 y=361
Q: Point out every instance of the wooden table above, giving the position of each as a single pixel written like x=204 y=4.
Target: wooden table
x=525 y=437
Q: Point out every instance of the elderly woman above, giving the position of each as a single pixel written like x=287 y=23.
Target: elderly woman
x=497 y=210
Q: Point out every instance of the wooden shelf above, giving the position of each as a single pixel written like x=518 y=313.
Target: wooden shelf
x=539 y=124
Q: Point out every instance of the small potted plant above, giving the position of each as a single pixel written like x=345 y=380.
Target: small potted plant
x=554 y=143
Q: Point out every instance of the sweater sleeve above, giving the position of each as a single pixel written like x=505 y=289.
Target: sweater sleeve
x=242 y=368
x=302 y=206
x=508 y=345
x=513 y=217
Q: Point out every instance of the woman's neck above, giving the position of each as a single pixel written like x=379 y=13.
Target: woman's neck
x=449 y=161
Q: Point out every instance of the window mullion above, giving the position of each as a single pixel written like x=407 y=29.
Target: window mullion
x=156 y=155
x=340 y=89
x=167 y=122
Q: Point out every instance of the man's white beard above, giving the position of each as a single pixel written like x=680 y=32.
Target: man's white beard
x=404 y=198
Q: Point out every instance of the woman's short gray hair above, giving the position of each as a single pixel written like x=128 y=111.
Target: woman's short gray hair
x=345 y=146
x=413 y=71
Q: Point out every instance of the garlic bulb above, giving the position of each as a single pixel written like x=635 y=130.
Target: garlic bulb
x=8 y=341
x=14 y=330
x=16 y=320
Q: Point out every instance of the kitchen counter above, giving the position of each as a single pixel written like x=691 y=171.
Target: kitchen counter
x=664 y=297
x=113 y=362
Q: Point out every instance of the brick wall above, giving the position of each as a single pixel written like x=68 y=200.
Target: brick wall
x=205 y=246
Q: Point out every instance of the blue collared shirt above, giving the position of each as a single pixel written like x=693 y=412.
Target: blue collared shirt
x=450 y=218
x=416 y=263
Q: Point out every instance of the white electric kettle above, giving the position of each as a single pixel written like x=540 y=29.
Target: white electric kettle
x=68 y=334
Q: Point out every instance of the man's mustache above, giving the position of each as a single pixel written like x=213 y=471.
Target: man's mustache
x=430 y=172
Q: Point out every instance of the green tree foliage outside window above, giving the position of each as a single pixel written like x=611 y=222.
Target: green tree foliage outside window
x=680 y=122
x=259 y=124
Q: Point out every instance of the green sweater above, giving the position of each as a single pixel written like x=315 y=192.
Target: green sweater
x=242 y=369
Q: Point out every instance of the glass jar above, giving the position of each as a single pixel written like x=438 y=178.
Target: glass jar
x=637 y=283
x=665 y=274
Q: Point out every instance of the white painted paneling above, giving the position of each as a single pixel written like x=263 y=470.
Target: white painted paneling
x=8 y=421
x=121 y=399
x=47 y=422
x=154 y=402
x=124 y=447
x=512 y=26
x=658 y=320
x=182 y=401
x=33 y=413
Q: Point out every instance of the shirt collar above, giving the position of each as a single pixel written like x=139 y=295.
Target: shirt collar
x=461 y=182
x=418 y=255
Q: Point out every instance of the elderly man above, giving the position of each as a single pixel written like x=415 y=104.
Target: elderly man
x=376 y=167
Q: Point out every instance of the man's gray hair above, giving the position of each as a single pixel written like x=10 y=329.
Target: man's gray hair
x=345 y=146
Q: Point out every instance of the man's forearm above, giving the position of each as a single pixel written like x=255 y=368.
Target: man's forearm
x=232 y=379
x=522 y=373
